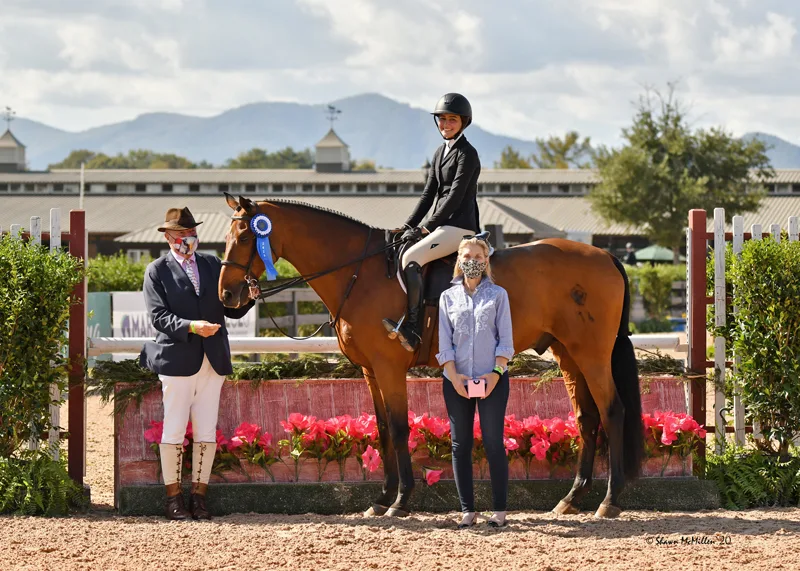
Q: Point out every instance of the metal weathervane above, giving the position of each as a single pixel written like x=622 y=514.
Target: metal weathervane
x=332 y=113
x=8 y=116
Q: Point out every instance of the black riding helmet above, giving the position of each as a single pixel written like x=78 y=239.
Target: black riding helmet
x=456 y=104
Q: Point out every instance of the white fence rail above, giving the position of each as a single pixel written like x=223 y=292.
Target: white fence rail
x=243 y=345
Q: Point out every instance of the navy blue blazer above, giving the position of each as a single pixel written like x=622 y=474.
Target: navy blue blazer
x=452 y=190
x=173 y=304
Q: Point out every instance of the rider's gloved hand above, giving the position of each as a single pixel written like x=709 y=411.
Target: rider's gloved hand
x=412 y=234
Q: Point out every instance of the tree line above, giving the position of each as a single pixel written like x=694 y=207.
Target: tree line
x=286 y=158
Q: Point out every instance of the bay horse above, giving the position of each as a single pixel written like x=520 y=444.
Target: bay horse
x=571 y=297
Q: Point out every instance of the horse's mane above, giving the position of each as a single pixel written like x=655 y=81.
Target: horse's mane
x=329 y=211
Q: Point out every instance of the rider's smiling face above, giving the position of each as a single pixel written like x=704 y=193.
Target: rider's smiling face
x=449 y=124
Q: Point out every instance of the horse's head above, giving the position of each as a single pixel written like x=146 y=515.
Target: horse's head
x=242 y=264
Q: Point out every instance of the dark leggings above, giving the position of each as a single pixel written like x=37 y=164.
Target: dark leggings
x=492 y=412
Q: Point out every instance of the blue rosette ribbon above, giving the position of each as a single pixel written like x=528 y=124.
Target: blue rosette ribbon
x=261 y=226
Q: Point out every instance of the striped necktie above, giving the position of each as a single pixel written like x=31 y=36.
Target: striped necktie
x=187 y=265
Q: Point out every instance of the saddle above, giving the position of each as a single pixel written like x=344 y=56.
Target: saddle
x=436 y=277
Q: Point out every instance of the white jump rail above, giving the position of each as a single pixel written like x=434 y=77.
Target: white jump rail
x=243 y=345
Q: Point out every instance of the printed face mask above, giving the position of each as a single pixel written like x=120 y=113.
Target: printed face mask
x=472 y=268
x=185 y=245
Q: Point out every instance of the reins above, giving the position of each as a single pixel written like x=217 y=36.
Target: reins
x=286 y=283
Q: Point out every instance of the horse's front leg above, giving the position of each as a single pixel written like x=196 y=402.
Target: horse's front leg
x=392 y=382
x=391 y=477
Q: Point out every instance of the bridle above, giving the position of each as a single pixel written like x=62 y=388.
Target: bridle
x=281 y=285
x=251 y=282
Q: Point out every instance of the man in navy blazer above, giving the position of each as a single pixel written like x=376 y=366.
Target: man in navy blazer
x=190 y=354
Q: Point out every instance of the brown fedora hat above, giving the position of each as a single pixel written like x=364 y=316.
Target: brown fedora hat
x=178 y=219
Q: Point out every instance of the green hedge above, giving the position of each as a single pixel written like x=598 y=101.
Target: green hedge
x=654 y=284
x=35 y=297
x=117 y=273
x=765 y=286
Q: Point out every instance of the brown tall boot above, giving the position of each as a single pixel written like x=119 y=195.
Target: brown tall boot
x=175 y=510
x=202 y=462
x=197 y=501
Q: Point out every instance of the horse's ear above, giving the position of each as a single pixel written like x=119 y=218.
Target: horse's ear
x=248 y=205
x=231 y=201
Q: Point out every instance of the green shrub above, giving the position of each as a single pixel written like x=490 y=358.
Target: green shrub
x=765 y=282
x=753 y=478
x=32 y=483
x=35 y=297
x=653 y=326
x=115 y=273
x=654 y=284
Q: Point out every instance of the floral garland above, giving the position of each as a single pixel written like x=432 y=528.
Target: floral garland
x=336 y=439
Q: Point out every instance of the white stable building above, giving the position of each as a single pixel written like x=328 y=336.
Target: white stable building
x=12 y=153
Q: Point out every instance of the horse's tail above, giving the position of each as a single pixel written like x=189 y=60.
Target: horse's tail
x=626 y=379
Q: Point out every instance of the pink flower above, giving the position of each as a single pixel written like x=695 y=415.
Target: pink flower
x=670 y=427
x=649 y=421
x=539 y=447
x=510 y=444
x=298 y=422
x=432 y=476
x=571 y=427
x=245 y=433
x=153 y=434
x=476 y=430
x=371 y=459
x=189 y=432
x=556 y=429
x=368 y=424
x=222 y=442
x=334 y=425
x=513 y=427
x=265 y=442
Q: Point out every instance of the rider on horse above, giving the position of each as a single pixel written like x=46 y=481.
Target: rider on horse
x=452 y=190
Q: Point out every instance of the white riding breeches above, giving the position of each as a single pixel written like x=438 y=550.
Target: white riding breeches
x=442 y=242
x=195 y=397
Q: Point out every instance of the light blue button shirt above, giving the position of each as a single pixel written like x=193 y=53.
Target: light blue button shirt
x=473 y=330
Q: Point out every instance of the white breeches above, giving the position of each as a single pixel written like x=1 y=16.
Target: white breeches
x=442 y=242
x=195 y=397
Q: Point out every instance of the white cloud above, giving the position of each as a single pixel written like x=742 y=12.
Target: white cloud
x=530 y=67
x=756 y=44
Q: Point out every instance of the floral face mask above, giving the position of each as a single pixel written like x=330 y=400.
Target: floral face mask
x=472 y=268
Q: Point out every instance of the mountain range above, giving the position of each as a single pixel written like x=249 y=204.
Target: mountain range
x=375 y=127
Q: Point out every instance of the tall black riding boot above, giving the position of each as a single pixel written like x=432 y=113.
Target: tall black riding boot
x=409 y=330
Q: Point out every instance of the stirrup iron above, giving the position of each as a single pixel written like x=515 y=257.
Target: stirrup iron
x=393 y=333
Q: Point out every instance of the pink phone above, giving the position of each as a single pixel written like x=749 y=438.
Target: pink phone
x=476 y=388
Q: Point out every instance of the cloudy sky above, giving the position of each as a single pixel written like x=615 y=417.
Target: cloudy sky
x=530 y=67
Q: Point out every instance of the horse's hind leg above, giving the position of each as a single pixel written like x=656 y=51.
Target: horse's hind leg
x=587 y=418
x=599 y=380
x=391 y=476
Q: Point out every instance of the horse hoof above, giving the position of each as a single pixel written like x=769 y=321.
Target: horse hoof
x=607 y=511
x=566 y=508
x=376 y=510
x=397 y=512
